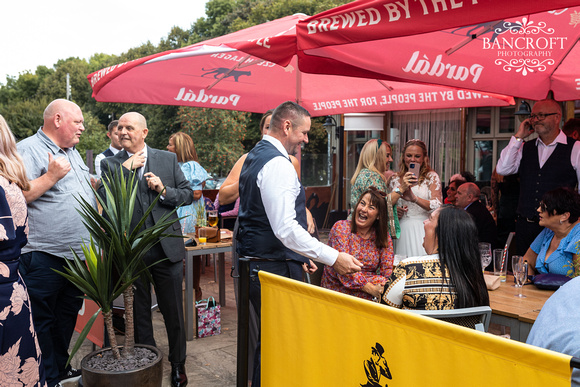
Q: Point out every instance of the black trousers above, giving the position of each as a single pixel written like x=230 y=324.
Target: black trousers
x=167 y=280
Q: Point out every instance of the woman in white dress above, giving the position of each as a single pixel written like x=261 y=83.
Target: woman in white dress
x=418 y=202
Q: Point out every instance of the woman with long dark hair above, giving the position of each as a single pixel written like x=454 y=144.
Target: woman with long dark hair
x=366 y=238
x=450 y=276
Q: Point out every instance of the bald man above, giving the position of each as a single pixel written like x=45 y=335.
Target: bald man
x=467 y=197
x=158 y=172
x=58 y=176
x=549 y=162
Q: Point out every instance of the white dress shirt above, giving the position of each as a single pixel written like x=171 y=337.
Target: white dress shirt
x=279 y=187
x=100 y=157
x=511 y=156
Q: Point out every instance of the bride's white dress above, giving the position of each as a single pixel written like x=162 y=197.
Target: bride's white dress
x=412 y=232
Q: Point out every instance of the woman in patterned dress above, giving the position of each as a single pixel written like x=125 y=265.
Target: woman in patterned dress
x=366 y=238
x=450 y=277
x=19 y=350
x=417 y=202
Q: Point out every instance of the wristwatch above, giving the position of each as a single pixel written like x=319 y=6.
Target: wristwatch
x=398 y=190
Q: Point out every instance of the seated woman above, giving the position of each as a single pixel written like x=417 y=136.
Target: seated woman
x=450 y=277
x=366 y=238
x=554 y=250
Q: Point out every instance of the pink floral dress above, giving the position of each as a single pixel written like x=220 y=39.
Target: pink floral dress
x=377 y=263
x=20 y=358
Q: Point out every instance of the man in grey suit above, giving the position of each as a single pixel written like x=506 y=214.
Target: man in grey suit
x=157 y=172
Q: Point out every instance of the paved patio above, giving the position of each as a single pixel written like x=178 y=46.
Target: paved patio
x=211 y=361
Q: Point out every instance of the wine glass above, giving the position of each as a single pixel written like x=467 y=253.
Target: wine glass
x=485 y=254
x=520 y=270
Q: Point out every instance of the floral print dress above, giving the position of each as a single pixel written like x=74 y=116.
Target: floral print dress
x=20 y=357
x=377 y=263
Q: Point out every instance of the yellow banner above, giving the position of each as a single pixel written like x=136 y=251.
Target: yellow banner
x=316 y=337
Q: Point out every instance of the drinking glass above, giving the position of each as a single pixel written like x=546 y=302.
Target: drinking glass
x=485 y=254
x=519 y=269
x=212 y=218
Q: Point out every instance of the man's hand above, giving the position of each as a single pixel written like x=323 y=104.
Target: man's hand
x=135 y=161
x=346 y=264
x=309 y=267
x=57 y=168
x=526 y=128
x=153 y=182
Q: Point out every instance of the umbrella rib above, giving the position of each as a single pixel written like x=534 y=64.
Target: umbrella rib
x=238 y=65
x=471 y=38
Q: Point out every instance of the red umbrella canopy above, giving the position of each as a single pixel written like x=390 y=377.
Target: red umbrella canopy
x=237 y=72
x=525 y=56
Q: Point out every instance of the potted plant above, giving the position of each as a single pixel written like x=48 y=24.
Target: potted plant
x=115 y=246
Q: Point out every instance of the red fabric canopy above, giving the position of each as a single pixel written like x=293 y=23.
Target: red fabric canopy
x=237 y=72
x=525 y=56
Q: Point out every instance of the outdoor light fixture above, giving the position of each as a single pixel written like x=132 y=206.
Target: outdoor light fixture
x=330 y=122
x=524 y=111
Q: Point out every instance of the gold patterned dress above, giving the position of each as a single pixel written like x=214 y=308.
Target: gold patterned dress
x=418 y=283
x=20 y=358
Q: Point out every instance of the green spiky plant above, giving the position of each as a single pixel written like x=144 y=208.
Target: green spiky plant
x=114 y=245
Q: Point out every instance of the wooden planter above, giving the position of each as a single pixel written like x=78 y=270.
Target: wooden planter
x=150 y=376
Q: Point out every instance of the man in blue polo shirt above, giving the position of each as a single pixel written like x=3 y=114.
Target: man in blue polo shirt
x=57 y=176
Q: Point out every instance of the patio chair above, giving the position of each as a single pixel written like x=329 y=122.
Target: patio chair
x=475 y=318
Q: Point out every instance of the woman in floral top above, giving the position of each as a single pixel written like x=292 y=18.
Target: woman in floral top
x=19 y=350
x=366 y=238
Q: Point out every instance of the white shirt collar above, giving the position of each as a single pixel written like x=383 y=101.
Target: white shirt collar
x=274 y=141
x=560 y=139
x=144 y=153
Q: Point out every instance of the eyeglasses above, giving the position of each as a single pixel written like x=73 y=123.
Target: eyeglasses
x=540 y=116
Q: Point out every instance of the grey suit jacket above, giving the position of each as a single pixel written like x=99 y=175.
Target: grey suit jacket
x=164 y=165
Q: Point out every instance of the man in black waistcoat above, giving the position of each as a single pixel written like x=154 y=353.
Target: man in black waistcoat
x=549 y=162
x=272 y=216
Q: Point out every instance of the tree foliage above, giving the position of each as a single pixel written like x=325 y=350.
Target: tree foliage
x=217 y=135
x=24 y=97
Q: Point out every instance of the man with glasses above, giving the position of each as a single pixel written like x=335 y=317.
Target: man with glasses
x=549 y=162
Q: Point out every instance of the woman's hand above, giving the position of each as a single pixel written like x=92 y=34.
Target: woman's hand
x=373 y=290
x=408 y=180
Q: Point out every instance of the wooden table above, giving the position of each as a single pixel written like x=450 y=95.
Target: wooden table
x=517 y=313
x=219 y=248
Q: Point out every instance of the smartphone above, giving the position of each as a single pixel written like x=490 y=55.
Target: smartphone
x=529 y=127
x=415 y=168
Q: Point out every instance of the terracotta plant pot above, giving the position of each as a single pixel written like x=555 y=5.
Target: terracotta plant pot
x=149 y=376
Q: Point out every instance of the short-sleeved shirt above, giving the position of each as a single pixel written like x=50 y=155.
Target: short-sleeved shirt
x=560 y=261
x=54 y=223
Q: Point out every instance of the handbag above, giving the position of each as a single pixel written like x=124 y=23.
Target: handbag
x=550 y=281
x=213 y=234
x=208 y=318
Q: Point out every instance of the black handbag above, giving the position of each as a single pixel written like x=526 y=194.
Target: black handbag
x=550 y=281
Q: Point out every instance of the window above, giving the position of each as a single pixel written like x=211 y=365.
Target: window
x=491 y=129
